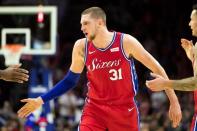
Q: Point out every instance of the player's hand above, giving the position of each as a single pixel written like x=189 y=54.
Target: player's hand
x=175 y=114
x=188 y=47
x=15 y=73
x=31 y=105
x=157 y=84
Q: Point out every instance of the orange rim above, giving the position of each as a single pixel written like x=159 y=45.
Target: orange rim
x=14 y=47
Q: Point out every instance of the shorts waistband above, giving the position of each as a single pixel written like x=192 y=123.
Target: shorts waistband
x=112 y=103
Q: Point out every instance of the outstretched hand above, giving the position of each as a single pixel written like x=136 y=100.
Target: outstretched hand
x=15 y=73
x=31 y=105
x=157 y=84
x=188 y=47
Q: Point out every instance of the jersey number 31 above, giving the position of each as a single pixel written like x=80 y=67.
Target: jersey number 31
x=116 y=74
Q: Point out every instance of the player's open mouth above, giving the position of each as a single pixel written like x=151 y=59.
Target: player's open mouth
x=86 y=34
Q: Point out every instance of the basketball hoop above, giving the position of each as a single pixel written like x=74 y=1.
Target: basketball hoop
x=12 y=53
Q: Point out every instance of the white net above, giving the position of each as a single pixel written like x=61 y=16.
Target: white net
x=12 y=54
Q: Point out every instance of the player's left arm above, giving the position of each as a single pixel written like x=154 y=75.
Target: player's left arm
x=133 y=48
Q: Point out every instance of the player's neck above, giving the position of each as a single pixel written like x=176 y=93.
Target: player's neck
x=103 y=38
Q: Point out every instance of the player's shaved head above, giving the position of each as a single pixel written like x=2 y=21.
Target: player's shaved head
x=95 y=12
x=195 y=8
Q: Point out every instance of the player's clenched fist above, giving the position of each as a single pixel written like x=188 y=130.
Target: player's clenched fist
x=31 y=105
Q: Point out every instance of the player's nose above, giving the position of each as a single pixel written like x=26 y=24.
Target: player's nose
x=82 y=28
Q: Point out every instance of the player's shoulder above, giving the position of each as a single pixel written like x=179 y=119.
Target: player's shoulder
x=129 y=39
x=80 y=43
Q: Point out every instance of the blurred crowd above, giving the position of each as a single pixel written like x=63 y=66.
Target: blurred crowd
x=157 y=24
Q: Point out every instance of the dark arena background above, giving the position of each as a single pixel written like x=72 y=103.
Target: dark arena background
x=157 y=24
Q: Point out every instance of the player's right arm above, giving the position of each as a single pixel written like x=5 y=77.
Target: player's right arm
x=69 y=81
x=78 y=56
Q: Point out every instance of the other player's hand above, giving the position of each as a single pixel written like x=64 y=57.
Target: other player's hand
x=15 y=73
x=175 y=114
x=188 y=47
x=157 y=84
x=31 y=105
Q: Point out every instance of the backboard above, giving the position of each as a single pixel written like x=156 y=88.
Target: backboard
x=35 y=27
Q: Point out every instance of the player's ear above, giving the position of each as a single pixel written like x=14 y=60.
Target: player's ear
x=100 y=22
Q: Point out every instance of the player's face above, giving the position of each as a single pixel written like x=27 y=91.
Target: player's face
x=193 y=22
x=89 y=26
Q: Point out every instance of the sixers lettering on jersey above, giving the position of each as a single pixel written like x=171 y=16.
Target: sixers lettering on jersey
x=99 y=64
x=111 y=75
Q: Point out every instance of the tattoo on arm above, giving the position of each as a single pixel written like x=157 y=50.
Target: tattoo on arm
x=187 y=84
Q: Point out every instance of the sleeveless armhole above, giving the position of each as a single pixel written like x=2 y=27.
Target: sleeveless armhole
x=132 y=67
x=122 y=48
x=86 y=51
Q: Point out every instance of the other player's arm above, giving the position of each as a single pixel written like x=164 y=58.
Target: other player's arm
x=187 y=84
x=15 y=74
x=160 y=83
x=188 y=47
x=133 y=48
x=69 y=81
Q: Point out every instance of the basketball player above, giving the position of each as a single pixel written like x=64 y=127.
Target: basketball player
x=14 y=73
x=112 y=80
x=187 y=84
